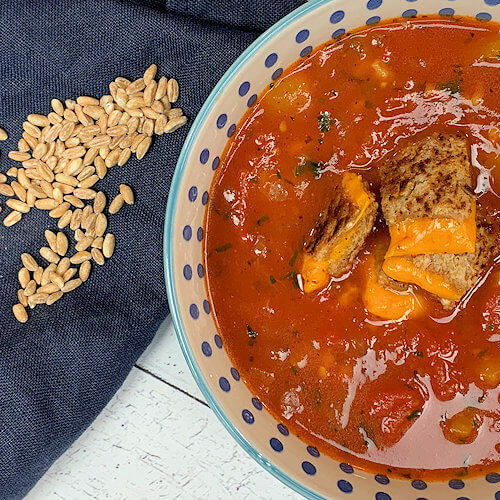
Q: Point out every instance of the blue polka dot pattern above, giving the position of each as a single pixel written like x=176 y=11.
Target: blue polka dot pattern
x=492 y=2
x=204 y=155
x=381 y=495
x=244 y=88
x=204 y=198
x=271 y=60
x=373 y=4
x=494 y=477
x=206 y=349
x=283 y=430
x=277 y=73
x=276 y=444
x=373 y=20
x=338 y=33
x=418 y=484
x=308 y=468
x=221 y=120
x=302 y=36
x=344 y=486
x=187 y=232
x=497 y=495
x=463 y=498
x=218 y=341
x=456 y=484
x=483 y=16
x=235 y=374
x=248 y=416
x=313 y=451
x=193 y=311
x=257 y=404
x=447 y=11
x=215 y=163
x=337 y=16
x=193 y=193
x=381 y=479
x=200 y=270
x=231 y=130
x=251 y=100
x=409 y=13
x=206 y=306
x=346 y=468
x=305 y=51
x=199 y=234
x=224 y=384
x=187 y=272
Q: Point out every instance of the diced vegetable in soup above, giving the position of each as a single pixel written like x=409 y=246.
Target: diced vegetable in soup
x=352 y=236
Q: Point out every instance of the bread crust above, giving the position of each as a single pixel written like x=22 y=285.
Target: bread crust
x=333 y=225
x=428 y=178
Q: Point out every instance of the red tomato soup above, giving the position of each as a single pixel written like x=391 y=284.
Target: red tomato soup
x=417 y=397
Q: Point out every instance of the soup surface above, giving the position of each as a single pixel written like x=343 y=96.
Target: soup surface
x=419 y=396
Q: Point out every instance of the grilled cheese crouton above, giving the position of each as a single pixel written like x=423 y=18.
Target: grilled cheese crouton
x=427 y=197
x=384 y=297
x=449 y=276
x=339 y=234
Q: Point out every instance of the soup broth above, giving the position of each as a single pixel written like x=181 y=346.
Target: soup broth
x=417 y=397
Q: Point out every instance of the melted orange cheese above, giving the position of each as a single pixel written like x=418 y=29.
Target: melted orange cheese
x=386 y=303
x=315 y=272
x=401 y=269
x=428 y=236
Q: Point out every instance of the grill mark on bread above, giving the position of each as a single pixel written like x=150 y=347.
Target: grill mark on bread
x=428 y=178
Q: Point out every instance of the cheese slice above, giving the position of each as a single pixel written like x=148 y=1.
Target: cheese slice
x=401 y=269
x=429 y=236
x=384 y=302
x=315 y=272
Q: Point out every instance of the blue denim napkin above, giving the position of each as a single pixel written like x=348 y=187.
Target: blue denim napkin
x=60 y=369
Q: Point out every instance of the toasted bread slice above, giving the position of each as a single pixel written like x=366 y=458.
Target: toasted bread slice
x=427 y=197
x=339 y=234
x=448 y=276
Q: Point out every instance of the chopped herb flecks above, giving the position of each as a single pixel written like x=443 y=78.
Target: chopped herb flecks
x=325 y=122
x=414 y=414
x=278 y=173
x=294 y=369
x=309 y=166
x=272 y=279
x=490 y=327
x=451 y=86
x=223 y=248
x=291 y=262
x=251 y=333
x=292 y=275
x=261 y=220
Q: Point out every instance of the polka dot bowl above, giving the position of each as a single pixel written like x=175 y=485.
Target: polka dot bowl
x=268 y=441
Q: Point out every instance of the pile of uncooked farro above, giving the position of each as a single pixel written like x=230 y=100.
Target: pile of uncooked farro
x=63 y=156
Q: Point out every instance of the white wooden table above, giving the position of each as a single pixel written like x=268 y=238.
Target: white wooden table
x=157 y=438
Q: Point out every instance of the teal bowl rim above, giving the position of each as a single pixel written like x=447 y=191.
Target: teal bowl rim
x=168 y=239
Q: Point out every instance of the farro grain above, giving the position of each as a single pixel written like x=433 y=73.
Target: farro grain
x=108 y=247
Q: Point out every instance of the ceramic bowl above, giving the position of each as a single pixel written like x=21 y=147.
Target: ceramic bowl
x=268 y=441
